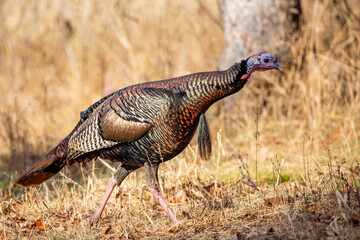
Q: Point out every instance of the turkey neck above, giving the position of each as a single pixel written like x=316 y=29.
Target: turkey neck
x=213 y=86
x=201 y=90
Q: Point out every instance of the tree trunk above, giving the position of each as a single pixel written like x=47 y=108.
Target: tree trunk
x=252 y=26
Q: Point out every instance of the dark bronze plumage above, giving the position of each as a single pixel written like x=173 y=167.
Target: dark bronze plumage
x=146 y=124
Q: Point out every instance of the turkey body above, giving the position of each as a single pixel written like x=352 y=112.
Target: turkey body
x=152 y=121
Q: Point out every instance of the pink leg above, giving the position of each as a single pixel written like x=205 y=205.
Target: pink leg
x=164 y=205
x=95 y=217
x=117 y=178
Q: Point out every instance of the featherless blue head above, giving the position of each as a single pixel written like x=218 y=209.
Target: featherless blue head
x=261 y=62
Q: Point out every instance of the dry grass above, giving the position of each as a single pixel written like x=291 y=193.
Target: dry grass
x=56 y=58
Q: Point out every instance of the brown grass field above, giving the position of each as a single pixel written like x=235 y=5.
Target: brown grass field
x=285 y=162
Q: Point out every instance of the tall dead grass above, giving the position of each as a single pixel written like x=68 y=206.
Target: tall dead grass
x=58 y=57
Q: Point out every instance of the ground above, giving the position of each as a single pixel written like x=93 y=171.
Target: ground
x=285 y=160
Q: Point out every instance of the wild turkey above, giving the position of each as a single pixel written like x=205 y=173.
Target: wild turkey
x=146 y=124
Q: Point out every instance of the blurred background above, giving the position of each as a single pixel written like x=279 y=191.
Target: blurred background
x=59 y=57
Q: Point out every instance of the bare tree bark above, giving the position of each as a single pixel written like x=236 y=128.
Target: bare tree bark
x=253 y=25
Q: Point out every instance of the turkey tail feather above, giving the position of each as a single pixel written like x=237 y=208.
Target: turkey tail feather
x=204 y=139
x=46 y=167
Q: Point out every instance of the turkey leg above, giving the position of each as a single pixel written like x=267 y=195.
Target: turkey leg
x=119 y=175
x=151 y=170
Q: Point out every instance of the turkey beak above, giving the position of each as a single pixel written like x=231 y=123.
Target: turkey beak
x=278 y=67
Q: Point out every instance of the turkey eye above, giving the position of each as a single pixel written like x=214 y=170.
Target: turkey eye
x=266 y=60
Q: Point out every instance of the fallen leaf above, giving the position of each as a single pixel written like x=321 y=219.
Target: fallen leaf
x=272 y=202
x=38 y=225
x=247 y=216
x=210 y=187
x=20 y=219
x=175 y=231
x=106 y=229
x=171 y=230
x=185 y=213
